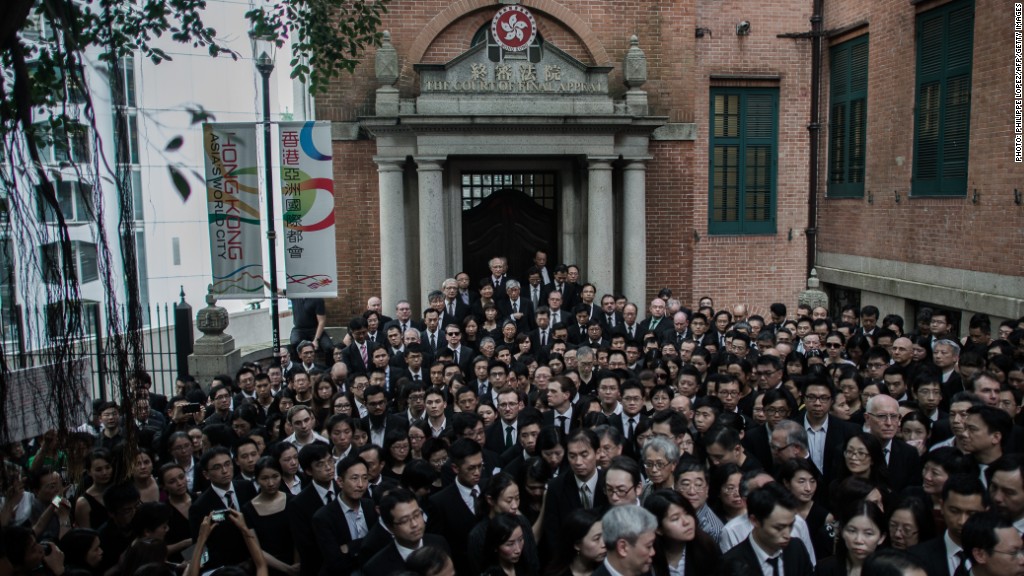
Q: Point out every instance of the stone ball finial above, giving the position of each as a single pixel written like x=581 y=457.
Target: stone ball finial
x=634 y=65
x=812 y=282
x=212 y=320
x=386 y=63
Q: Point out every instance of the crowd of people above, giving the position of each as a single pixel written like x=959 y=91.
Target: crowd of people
x=533 y=427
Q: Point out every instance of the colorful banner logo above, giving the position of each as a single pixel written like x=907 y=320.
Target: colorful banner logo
x=307 y=187
x=232 y=198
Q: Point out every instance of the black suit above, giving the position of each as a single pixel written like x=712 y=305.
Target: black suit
x=389 y=561
x=300 y=519
x=331 y=532
x=839 y=432
x=568 y=295
x=461 y=311
x=494 y=437
x=603 y=319
x=563 y=497
x=466 y=356
x=225 y=544
x=663 y=325
x=904 y=466
x=353 y=360
x=548 y=419
x=932 y=556
x=757 y=443
x=450 y=518
x=741 y=560
x=525 y=323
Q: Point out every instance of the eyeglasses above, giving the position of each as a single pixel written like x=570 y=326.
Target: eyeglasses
x=777 y=448
x=655 y=465
x=908 y=531
x=876 y=365
x=453 y=334
x=731 y=489
x=1015 y=553
x=729 y=393
x=619 y=491
x=885 y=417
x=856 y=454
x=764 y=373
x=417 y=515
x=833 y=345
x=811 y=398
x=776 y=411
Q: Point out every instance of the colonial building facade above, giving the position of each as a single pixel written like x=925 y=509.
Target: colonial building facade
x=671 y=144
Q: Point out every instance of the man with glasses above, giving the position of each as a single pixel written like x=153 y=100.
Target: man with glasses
x=826 y=436
x=405 y=521
x=225 y=545
x=768 y=372
x=622 y=481
x=461 y=355
x=377 y=420
x=504 y=432
x=691 y=481
x=994 y=546
x=882 y=417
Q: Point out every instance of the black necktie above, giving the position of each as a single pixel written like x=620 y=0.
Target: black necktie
x=543 y=337
x=230 y=500
x=508 y=436
x=433 y=342
x=774 y=563
x=961 y=569
x=632 y=427
x=330 y=497
x=611 y=321
x=561 y=423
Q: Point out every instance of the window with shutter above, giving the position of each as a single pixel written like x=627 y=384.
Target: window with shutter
x=945 y=38
x=847 y=136
x=743 y=160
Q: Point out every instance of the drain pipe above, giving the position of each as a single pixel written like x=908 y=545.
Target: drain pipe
x=815 y=129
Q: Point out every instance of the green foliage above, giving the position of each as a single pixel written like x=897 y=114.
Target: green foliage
x=327 y=36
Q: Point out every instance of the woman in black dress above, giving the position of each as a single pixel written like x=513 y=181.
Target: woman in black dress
x=266 y=514
x=174 y=485
x=89 y=510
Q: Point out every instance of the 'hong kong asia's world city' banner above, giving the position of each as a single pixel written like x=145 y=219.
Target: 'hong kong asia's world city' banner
x=232 y=197
x=307 y=189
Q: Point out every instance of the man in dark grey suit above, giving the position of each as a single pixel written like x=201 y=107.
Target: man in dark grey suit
x=629 y=533
x=402 y=516
x=770 y=549
x=340 y=528
x=963 y=495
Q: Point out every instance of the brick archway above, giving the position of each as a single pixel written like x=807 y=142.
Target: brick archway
x=554 y=9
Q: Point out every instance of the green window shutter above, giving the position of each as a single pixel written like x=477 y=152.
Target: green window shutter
x=847 y=138
x=945 y=40
x=744 y=156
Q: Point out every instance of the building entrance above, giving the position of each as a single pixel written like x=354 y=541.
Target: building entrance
x=511 y=215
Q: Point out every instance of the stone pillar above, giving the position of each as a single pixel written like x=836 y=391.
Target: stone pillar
x=393 y=262
x=634 y=231
x=600 y=226
x=386 y=67
x=214 y=352
x=433 y=260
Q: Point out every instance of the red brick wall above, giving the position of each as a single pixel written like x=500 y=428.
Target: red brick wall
x=950 y=232
x=757 y=269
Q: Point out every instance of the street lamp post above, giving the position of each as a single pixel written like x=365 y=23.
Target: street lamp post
x=263 y=52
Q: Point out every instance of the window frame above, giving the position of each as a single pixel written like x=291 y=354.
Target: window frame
x=941 y=185
x=741 y=226
x=847 y=97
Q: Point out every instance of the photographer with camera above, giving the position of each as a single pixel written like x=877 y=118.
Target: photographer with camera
x=220 y=521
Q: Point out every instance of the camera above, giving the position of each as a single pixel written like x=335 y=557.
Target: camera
x=57 y=500
x=218 y=516
x=193 y=408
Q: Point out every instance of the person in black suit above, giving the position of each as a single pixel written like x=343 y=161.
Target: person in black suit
x=226 y=545
x=882 y=417
x=455 y=309
x=962 y=496
x=561 y=391
x=340 y=528
x=657 y=322
x=561 y=286
x=608 y=316
x=315 y=460
x=498 y=277
x=584 y=488
x=377 y=420
x=990 y=539
x=826 y=435
x=352 y=355
x=457 y=508
x=401 y=514
x=772 y=511
x=498 y=438
x=517 y=308
x=629 y=533
x=461 y=355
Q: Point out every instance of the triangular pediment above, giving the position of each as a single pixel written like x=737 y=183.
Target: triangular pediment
x=472 y=83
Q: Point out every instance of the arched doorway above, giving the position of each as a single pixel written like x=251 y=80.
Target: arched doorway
x=508 y=222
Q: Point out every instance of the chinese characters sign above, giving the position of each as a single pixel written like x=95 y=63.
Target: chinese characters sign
x=307 y=188
x=232 y=198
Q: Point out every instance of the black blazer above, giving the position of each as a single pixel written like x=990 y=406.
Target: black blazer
x=225 y=545
x=461 y=311
x=603 y=319
x=525 y=323
x=932 y=556
x=757 y=443
x=742 y=561
x=300 y=519
x=494 y=437
x=466 y=356
x=331 y=532
x=353 y=360
x=389 y=561
x=563 y=497
x=449 y=517
x=904 y=466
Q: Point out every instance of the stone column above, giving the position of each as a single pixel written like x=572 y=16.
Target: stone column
x=600 y=226
x=393 y=262
x=634 y=231
x=433 y=260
